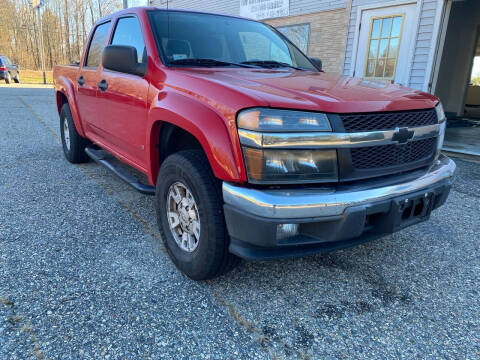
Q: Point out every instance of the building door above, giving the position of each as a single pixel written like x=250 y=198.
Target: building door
x=384 y=43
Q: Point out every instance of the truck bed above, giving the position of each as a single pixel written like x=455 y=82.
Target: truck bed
x=67 y=71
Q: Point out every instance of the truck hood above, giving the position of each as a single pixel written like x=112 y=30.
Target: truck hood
x=315 y=91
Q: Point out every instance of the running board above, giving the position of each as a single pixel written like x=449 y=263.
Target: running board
x=98 y=156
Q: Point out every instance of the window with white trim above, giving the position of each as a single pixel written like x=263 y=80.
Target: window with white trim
x=383 y=47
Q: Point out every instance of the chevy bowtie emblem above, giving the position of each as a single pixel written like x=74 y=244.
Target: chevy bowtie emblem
x=402 y=135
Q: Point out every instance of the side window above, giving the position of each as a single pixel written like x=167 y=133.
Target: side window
x=128 y=32
x=383 y=47
x=94 y=56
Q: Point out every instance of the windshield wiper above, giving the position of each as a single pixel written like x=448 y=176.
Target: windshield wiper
x=271 y=64
x=208 y=62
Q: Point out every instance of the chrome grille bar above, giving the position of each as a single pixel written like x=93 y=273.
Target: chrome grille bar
x=329 y=140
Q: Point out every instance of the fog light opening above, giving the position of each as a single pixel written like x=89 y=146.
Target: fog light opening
x=286 y=230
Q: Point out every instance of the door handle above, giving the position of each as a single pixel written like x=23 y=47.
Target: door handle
x=103 y=85
x=81 y=80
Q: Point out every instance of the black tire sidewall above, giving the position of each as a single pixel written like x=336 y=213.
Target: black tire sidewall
x=76 y=153
x=65 y=116
x=8 y=79
x=203 y=261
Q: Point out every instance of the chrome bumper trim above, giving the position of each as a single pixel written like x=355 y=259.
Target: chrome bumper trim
x=305 y=203
x=331 y=140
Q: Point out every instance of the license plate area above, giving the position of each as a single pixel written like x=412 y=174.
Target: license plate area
x=410 y=210
x=400 y=213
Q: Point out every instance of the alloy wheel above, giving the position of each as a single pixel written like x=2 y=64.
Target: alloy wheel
x=66 y=134
x=183 y=217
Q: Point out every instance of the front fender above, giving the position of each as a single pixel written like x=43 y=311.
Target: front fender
x=216 y=134
x=64 y=86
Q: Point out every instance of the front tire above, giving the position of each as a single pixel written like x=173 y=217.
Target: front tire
x=17 y=78
x=190 y=216
x=73 y=144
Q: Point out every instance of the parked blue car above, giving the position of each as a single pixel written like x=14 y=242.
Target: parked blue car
x=8 y=70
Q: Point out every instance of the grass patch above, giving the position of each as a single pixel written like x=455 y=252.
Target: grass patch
x=35 y=77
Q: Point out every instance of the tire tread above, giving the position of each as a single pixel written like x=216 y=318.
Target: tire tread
x=196 y=158
x=76 y=154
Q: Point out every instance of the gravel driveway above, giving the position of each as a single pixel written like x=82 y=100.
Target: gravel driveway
x=84 y=275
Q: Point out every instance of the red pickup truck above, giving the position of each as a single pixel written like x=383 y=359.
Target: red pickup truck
x=250 y=149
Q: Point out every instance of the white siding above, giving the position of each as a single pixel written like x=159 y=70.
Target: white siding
x=423 y=45
x=232 y=7
x=300 y=7
x=423 y=40
x=226 y=7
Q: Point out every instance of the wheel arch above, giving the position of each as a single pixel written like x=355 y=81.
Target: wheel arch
x=64 y=94
x=166 y=139
x=179 y=133
x=61 y=99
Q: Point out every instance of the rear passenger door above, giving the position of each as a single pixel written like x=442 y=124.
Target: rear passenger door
x=87 y=81
x=123 y=103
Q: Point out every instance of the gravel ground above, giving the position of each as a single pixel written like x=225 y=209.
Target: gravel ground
x=83 y=273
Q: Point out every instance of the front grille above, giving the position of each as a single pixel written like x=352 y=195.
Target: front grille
x=375 y=157
x=388 y=120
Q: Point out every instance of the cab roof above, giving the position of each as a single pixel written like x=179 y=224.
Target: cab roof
x=139 y=9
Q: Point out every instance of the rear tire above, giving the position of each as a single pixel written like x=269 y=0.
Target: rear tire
x=8 y=79
x=17 y=78
x=73 y=144
x=209 y=256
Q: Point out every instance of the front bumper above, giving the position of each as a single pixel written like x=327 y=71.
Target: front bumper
x=331 y=218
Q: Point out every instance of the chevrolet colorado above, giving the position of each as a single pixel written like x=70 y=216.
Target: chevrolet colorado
x=250 y=149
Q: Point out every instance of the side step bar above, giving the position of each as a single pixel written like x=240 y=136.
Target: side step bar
x=98 y=156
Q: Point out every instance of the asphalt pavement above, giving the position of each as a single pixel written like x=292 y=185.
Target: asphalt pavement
x=84 y=274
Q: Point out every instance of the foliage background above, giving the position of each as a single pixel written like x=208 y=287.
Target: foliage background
x=66 y=25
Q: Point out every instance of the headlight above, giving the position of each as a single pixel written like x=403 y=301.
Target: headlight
x=273 y=120
x=287 y=166
x=281 y=166
x=442 y=120
x=440 y=113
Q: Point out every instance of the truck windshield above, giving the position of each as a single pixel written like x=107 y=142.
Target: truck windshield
x=207 y=40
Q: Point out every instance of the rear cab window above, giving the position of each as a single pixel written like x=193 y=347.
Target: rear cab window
x=94 y=55
x=128 y=32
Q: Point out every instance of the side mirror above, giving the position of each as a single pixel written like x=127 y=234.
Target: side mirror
x=317 y=62
x=123 y=59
